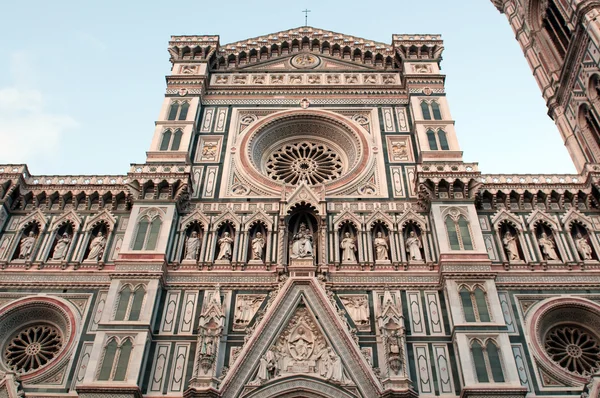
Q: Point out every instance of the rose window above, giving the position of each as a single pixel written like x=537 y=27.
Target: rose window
x=304 y=161
x=33 y=347
x=573 y=348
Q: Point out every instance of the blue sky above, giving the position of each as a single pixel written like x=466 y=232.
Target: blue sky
x=81 y=83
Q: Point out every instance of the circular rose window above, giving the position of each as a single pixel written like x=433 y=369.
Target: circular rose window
x=304 y=161
x=32 y=347
x=573 y=348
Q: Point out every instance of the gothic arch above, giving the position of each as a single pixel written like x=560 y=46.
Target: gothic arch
x=537 y=216
x=506 y=216
x=104 y=216
x=347 y=217
x=299 y=387
x=196 y=217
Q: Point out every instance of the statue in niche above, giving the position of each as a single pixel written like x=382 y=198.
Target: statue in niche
x=583 y=247
x=303 y=243
x=348 y=247
x=510 y=245
x=358 y=308
x=381 y=247
x=192 y=247
x=336 y=372
x=97 y=246
x=267 y=368
x=258 y=244
x=62 y=245
x=413 y=247
x=26 y=246
x=225 y=247
x=547 y=247
x=301 y=344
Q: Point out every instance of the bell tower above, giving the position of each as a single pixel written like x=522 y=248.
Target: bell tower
x=560 y=39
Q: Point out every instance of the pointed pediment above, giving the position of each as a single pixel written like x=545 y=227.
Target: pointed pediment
x=195 y=216
x=539 y=216
x=104 y=216
x=574 y=215
x=35 y=217
x=305 y=194
x=69 y=216
x=301 y=337
x=347 y=216
x=287 y=63
x=505 y=215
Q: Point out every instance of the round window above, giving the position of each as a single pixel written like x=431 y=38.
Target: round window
x=573 y=348
x=32 y=347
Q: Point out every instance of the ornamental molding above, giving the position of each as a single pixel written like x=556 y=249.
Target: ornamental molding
x=226 y=216
x=36 y=217
x=412 y=216
x=67 y=217
x=575 y=216
x=294 y=101
x=258 y=216
x=104 y=216
x=347 y=216
x=195 y=216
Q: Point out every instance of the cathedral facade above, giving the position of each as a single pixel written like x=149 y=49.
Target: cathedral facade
x=305 y=226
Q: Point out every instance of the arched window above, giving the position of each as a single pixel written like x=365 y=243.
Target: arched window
x=488 y=365
x=435 y=108
x=459 y=232
x=176 y=140
x=474 y=304
x=479 y=361
x=166 y=139
x=147 y=233
x=425 y=110
x=443 y=140
x=178 y=110
x=467 y=303
x=556 y=28
x=130 y=303
x=173 y=110
x=184 y=111
x=116 y=360
x=432 y=141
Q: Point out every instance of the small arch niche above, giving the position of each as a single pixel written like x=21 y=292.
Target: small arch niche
x=225 y=239
x=257 y=243
x=547 y=242
x=26 y=243
x=97 y=243
x=193 y=241
x=381 y=242
x=511 y=242
x=413 y=243
x=302 y=228
x=348 y=243
x=583 y=243
x=62 y=242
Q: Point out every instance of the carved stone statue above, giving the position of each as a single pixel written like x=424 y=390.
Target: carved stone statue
x=258 y=244
x=267 y=368
x=302 y=246
x=583 y=247
x=381 y=247
x=246 y=307
x=510 y=245
x=413 y=247
x=336 y=372
x=26 y=246
x=547 y=247
x=348 y=247
x=61 y=248
x=225 y=247
x=192 y=246
x=97 y=247
x=358 y=308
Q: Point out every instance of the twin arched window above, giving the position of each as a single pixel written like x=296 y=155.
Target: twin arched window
x=556 y=28
x=474 y=304
x=171 y=141
x=437 y=141
x=431 y=108
x=178 y=110
x=459 y=233
x=116 y=360
x=130 y=304
x=486 y=357
x=147 y=232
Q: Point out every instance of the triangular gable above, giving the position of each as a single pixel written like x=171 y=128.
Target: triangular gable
x=300 y=293
x=69 y=216
x=380 y=216
x=304 y=194
x=227 y=215
x=574 y=215
x=347 y=216
x=504 y=215
x=36 y=217
x=537 y=215
x=284 y=63
x=196 y=215
x=411 y=216
x=259 y=216
x=105 y=216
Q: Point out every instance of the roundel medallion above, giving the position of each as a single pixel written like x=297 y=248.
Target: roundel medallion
x=306 y=61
